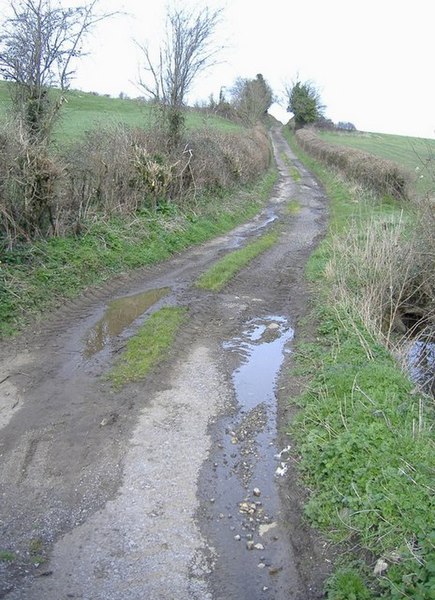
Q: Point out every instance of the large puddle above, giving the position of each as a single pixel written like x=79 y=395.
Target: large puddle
x=119 y=315
x=244 y=505
x=261 y=349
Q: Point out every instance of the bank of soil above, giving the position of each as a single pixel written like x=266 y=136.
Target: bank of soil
x=180 y=485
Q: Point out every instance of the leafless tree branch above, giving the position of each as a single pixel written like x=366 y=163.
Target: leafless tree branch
x=186 y=51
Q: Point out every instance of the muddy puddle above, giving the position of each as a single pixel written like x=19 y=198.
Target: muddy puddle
x=267 y=217
x=243 y=505
x=119 y=315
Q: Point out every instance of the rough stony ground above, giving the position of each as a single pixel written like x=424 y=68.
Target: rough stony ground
x=182 y=485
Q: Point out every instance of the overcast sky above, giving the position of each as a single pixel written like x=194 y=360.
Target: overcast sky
x=372 y=60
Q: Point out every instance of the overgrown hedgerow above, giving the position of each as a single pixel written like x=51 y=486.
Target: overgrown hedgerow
x=120 y=170
x=382 y=176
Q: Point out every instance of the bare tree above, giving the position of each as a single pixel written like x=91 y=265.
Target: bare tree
x=38 y=45
x=186 y=51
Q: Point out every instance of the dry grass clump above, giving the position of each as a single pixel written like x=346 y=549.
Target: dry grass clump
x=382 y=176
x=387 y=273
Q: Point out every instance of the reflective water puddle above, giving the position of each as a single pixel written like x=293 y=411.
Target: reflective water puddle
x=261 y=349
x=119 y=315
x=243 y=506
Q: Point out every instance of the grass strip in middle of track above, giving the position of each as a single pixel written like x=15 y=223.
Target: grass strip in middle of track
x=221 y=272
x=148 y=346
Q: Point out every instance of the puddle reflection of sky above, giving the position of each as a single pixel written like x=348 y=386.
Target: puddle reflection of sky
x=119 y=315
x=261 y=348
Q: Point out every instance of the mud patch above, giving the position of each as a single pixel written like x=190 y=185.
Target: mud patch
x=10 y=398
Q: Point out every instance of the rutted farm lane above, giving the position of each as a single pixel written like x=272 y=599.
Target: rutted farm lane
x=177 y=486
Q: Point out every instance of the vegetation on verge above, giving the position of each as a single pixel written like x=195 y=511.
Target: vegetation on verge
x=364 y=432
x=147 y=348
x=225 y=269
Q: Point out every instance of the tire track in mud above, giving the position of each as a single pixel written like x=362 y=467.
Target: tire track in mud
x=116 y=487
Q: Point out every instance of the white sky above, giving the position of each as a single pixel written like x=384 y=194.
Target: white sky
x=372 y=60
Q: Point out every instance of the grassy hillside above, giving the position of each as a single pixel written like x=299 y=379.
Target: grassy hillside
x=417 y=154
x=84 y=111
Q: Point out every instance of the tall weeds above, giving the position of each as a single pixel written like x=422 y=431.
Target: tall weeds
x=382 y=270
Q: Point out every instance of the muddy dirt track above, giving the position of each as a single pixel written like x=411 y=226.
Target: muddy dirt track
x=182 y=485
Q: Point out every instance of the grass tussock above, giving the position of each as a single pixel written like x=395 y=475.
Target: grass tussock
x=147 y=348
x=224 y=270
x=385 y=177
x=365 y=431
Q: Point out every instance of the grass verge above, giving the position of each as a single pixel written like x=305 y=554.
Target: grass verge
x=221 y=272
x=364 y=433
x=36 y=278
x=148 y=346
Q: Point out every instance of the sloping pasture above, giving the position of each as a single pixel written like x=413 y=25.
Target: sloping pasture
x=84 y=111
x=416 y=154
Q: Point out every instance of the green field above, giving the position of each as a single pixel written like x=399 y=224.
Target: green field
x=85 y=111
x=417 y=154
